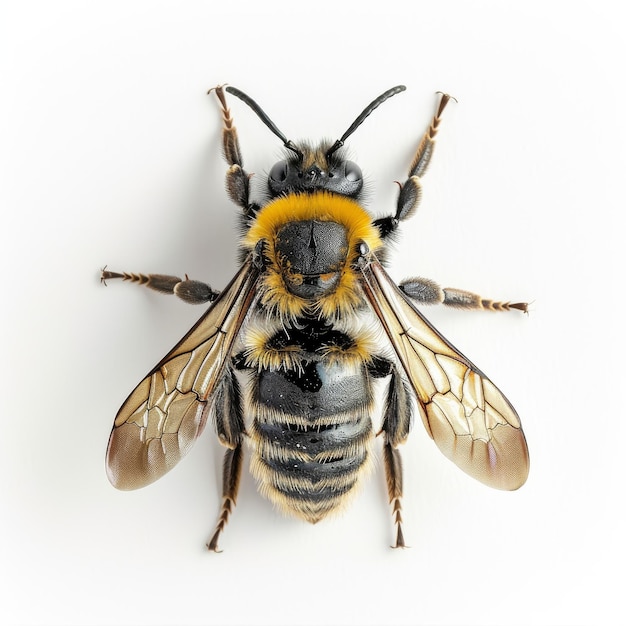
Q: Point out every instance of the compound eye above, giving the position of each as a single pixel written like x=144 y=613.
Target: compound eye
x=278 y=173
x=353 y=172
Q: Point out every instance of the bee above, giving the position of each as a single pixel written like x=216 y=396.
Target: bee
x=287 y=356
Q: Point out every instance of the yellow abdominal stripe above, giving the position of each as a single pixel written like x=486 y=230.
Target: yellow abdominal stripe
x=320 y=206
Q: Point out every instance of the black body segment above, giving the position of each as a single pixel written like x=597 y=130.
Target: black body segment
x=311 y=247
x=314 y=390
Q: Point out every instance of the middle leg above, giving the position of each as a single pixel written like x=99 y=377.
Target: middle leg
x=426 y=291
x=191 y=291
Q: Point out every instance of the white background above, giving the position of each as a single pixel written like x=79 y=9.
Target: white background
x=111 y=154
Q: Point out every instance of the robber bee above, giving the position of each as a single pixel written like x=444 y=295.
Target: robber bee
x=286 y=356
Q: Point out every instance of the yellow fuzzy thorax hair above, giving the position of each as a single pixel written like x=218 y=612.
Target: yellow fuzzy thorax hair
x=321 y=206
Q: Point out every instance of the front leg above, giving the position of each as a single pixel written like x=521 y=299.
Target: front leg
x=237 y=179
x=411 y=190
x=191 y=291
x=426 y=291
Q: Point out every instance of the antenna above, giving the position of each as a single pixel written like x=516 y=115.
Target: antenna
x=365 y=113
x=263 y=116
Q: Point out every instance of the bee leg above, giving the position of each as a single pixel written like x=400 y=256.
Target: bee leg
x=230 y=427
x=232 y=473
x=396 y=425
x=237 y=179
x=426 y=291
x=393 y=472
x=191 y=291
x=411 y=190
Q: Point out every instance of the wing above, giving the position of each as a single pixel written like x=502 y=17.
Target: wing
x=469 y=418
x=167 y=411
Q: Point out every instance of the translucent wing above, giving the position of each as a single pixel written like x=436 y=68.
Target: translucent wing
x=468 y=417
x=167 y=411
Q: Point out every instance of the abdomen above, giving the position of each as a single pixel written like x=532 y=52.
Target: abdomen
x=311 y=435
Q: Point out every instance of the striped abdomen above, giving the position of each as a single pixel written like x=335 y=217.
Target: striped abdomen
x=311 y=435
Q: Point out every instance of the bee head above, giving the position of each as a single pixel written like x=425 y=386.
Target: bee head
x=315 y=169
x=324 y=168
